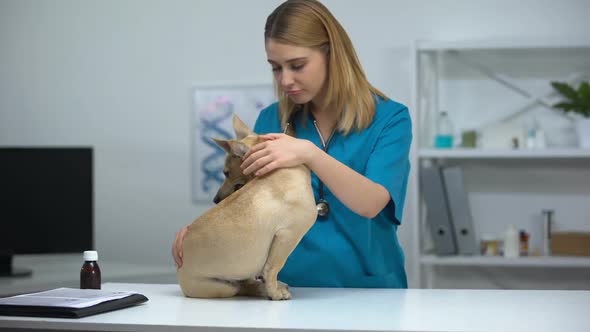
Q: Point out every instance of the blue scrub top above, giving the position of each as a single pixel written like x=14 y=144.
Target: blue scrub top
x=345 y=249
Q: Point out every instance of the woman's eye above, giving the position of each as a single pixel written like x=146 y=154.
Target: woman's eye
x=276 y=69
x=297 y=67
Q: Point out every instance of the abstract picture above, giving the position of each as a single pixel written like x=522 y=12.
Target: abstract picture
x=212 y=118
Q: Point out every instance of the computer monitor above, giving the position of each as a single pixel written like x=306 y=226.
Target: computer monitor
x=46 y=202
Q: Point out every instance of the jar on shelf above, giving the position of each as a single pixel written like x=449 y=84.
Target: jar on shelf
x=524 y=243
x=489 y=245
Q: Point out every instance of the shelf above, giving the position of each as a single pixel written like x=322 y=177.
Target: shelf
x=474 y=79
x=495 y=45
x=550 y=261
x=463 y=153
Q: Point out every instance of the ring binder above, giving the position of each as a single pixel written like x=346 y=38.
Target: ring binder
x=68 y=303
x=437 y=214
x=460 y=210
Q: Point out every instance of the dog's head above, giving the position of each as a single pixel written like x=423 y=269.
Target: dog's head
x=235 y=149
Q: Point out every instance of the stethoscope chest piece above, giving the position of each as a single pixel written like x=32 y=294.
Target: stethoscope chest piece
x=323 y=208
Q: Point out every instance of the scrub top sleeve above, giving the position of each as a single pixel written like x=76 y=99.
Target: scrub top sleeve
x=389 y=163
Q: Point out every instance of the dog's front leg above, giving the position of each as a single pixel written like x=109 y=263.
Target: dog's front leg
x=284 y=242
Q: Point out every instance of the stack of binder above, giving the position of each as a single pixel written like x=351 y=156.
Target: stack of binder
x=448 y=211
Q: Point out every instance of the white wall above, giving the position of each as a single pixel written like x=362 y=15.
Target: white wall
x=117 y=75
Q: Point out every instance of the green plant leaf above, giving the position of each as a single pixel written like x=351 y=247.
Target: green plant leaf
x=565 y=90
x=584 y=97
x=584 y=94
x=565 y=106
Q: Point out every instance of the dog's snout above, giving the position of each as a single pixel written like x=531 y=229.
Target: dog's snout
x=216 y=199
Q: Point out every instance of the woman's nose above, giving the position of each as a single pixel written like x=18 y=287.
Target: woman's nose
x=286 y=79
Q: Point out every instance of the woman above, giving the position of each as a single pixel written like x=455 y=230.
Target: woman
x=354 y=139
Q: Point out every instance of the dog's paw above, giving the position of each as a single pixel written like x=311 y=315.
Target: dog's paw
x=281 y=293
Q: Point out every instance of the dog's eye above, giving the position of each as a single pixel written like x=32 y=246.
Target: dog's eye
x=238 y=186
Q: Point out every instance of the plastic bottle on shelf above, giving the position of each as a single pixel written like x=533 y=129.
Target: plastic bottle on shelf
x=535 y=135
x=531 y=135
x=540 y=141
x=444 y=131
x=511 y=242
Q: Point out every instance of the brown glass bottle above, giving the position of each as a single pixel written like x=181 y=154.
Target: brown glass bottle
x=90 y=271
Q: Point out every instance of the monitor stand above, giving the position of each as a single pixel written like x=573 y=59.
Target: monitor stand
x=6 y=268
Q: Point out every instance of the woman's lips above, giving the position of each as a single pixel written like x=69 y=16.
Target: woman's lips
x=293 y=92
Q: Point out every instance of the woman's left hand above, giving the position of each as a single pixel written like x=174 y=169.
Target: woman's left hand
x=278 y=151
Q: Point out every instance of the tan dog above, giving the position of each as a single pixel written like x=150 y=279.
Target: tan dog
x=251 y=232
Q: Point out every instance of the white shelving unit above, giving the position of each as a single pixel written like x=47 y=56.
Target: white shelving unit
x=525 y=261
x=511 y=80
x=464 y=153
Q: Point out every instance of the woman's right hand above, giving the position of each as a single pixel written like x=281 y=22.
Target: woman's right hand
x=177 y=246
x=277 y=151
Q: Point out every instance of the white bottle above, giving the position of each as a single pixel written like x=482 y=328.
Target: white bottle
x=511 y=242
x=531 y=134
x=535 y=136
x=540 y=141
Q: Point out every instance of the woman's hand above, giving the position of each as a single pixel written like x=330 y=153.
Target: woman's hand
x=177 y=246
x=278 y=151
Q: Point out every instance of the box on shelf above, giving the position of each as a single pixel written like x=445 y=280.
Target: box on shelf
x=570 y=244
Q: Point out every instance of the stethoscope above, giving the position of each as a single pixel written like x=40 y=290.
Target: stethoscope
x=322 y=206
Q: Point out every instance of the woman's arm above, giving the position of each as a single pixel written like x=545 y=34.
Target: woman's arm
x=357 y=192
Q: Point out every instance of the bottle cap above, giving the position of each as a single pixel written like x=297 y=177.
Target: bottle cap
x=90 y=255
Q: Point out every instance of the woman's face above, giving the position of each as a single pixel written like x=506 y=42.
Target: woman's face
x=299 y=71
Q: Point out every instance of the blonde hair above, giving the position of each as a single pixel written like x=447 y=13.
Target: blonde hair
x=308 y=23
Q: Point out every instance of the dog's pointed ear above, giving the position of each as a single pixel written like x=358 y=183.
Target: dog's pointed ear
x=224 y=144
x=238 y=148
x=241 y=128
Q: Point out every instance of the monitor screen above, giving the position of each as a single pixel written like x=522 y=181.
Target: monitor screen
x=46 y=199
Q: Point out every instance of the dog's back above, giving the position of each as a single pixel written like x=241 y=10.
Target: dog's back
x=232 y=240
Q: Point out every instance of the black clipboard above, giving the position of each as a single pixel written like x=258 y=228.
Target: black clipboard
x=68 y=312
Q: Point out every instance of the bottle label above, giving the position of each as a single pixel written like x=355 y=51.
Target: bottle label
x=443 y=141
